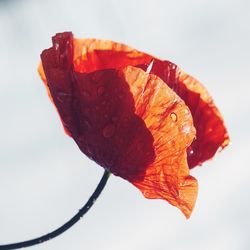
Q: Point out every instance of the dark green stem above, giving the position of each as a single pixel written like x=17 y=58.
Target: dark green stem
x=68 y=224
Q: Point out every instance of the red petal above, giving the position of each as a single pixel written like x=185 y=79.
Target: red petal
x=126 y=120
x=211 y=133
x=168 y=119
x=93 y=54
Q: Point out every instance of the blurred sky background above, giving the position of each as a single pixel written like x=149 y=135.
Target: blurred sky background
x=45 y=179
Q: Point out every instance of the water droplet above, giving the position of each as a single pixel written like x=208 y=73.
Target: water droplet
x=56 y=46
x=173 y=66
x=108 y=131
x=186 y=129
x=186 y=111
x=210 y=130
x=100 y=91
x=173 y=116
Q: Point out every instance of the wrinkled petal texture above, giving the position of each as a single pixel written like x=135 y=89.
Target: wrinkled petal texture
x=133 y=114
x=211 y=132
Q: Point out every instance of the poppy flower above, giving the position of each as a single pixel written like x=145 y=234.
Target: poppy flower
x=141 y=118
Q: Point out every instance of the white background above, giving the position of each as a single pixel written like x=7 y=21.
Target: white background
x=44 y=178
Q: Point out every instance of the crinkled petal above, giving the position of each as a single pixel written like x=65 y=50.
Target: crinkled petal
x=211 y=133
x=93 y=54
x=170 y=123
x=128 y=121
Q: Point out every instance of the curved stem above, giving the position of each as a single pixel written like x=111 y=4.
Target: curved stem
x=68 y=224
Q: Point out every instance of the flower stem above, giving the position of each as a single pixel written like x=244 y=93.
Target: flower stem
x=68 y=224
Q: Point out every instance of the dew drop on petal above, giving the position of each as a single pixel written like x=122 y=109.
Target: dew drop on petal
x=190 y=151
x=173 y=116
x=210 y=130
x=186 y=129
x=56 y=46
x=108 y=131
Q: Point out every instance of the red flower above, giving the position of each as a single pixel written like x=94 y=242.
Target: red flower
x=133 y=114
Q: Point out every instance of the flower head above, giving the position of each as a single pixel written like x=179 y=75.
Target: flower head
x=141 y=118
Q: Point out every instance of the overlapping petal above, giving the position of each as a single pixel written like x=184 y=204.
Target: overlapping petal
x=137 y=124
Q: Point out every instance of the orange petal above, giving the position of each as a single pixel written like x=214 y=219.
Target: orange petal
x=168 y=119
x=93 y=54
x=128 y=121
x=211 y=133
